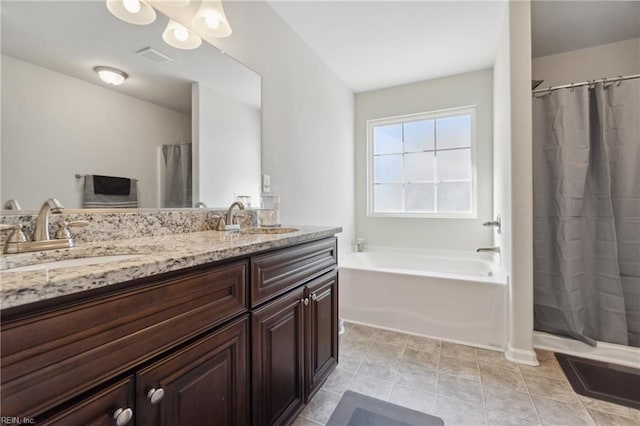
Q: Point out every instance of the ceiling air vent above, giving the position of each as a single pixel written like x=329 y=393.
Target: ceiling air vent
x=153 y=55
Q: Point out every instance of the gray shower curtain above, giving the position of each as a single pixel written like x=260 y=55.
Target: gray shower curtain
x=177 y=175
x=586 y=186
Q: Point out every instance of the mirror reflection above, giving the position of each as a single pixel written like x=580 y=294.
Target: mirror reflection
x=182 y=128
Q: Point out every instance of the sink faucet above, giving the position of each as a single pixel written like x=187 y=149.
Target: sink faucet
x=489 y=249
x=12 y=205
x=41 y=231
x=227 y=220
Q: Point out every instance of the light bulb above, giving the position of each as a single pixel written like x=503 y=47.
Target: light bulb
x=212 y=21
x=132 y=6
x=181 y=33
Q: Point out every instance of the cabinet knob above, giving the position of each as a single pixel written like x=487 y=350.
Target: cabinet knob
x=122 y=416
x=155 y=395
x=313 y=297
x=305 y=301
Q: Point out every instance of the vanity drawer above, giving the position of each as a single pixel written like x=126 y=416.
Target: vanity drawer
x=277 y=272
x=50 y=357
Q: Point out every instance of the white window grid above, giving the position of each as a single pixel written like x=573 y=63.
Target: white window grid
x=432 y=115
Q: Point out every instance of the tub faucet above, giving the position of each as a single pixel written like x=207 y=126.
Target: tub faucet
x=489 y=249
x=41 y=231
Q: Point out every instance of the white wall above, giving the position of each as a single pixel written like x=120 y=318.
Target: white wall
x=54 y=126
x=608 y=60
x=502 y=146
x=226 y=148
x=307 y=118
x=516 y=98
x=473 y=88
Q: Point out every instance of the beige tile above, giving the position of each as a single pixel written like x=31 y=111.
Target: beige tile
x=494 y=358
x=356 y=347
x=559 y=413
x=372 y=386
x=411 y=398
x=381 y=369
x=424 y=344
x=339 y=380
x=505 y=377
x=321 y=406
x=460 y=389
x=350 y=361
x=392 y=338
x=417 y=378
x=427 y=360
x=513 y=403
x=548 y=368
x=383 y=352
x=544 y=356
x=360 y=333
x=459 y=368
x=454 y=350
x=551 y=388
x=608 y=419
x=499 y=418
x=459 y=413
x=301 y=421
x=599 y=405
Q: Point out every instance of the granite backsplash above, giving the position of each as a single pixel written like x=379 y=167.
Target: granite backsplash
x=126 y=224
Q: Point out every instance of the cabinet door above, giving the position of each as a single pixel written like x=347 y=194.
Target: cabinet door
x=278 y=359
x=110 y=406
x=322 y=331
x=206 y=383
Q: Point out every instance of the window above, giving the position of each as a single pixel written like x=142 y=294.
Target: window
x=422 y=165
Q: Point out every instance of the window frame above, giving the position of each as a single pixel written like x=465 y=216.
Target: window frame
x=422 y=116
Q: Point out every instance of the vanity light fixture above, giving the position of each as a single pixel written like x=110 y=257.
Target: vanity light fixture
x=180 y=37
x=111 y=76
x=211 y=20
x=132 y=11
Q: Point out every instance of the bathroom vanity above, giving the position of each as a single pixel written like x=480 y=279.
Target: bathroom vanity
x=201 y=328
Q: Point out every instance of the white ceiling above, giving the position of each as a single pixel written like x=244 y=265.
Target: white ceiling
x=72 y=37
x=561 y=26
x=377 y=44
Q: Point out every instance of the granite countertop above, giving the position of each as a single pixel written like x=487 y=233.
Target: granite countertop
x=157 y=255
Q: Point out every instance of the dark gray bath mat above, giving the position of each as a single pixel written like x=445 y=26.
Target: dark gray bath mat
x=601 y=380
x=355 y=409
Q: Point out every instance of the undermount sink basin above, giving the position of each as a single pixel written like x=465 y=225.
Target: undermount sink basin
x=275 y=230
x=67 y=263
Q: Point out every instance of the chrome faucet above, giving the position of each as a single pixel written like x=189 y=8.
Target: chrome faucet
x=41 y=240
x=41 y=230
x=12 y=205
x=227 y=221
x=489 y=249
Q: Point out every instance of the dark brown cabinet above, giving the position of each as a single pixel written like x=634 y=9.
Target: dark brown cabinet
x=278 y=359
x=295 y=348
x=229 y=343
x=204 y=383
x=113 y=405
x=322 y=331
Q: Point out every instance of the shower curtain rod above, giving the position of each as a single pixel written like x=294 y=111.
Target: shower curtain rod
x=584 y=83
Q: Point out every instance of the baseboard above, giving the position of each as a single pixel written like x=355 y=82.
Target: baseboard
x=606 y=352
x=521 y=356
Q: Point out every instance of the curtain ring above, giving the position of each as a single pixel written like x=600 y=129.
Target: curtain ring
x=619 y=81
x=571 y=89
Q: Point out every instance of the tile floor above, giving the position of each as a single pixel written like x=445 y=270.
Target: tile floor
x=461 y=384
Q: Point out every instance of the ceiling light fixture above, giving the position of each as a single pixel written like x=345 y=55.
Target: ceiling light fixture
x=111 y=76
x=132 y=11
x=180 y=37
x=210 y=20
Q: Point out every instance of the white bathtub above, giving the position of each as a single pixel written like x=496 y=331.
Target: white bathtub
x=454 y=296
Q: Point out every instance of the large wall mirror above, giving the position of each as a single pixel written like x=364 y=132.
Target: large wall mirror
x=185 y=124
